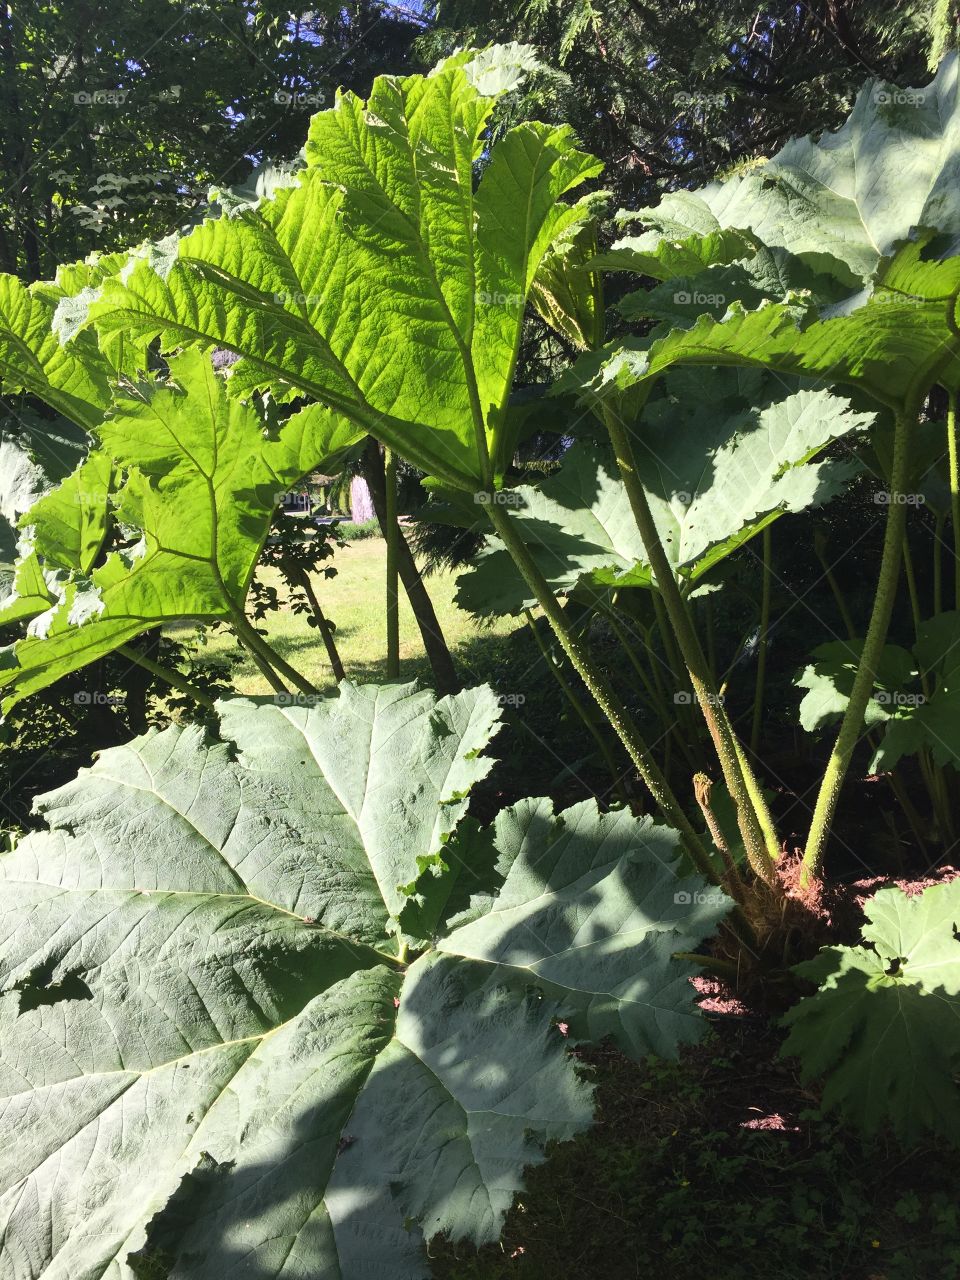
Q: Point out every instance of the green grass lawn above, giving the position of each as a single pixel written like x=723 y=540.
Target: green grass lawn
x=355 y=600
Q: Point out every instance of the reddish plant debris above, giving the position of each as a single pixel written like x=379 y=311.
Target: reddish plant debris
x=717 y=997
x=773 y=1121
x=863 y=890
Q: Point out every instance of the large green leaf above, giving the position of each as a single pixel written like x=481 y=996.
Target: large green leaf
x=35 y=453
x=29 y=591
x=884 y=1027
x=842 y=202
x=68 y=525
x=829 y=678
x=336 y=764
x=203 y=480
x=929 y=720
x=22 y=482
x=386 y=284
x=916 y=695
x=587 y=914
x=207 y=1070
x=73 y=380
x=714 y=478
x=78 y=284
x=829 y=208
x=667 y=258
x=767 y=274
x=567 y=290
x=65 y=532
x=918 y=724
x=892 y=343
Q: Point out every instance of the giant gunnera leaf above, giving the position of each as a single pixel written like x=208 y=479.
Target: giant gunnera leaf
x=202 y=478
x=872 y=208
x=916 y=698
x=72 y=380
x=387 y=283
x=846 y=200
x=883 y=1030
x=217 y=1056
x=891 y=341
x=35 y=453
x=715 y=473
x=829 y=678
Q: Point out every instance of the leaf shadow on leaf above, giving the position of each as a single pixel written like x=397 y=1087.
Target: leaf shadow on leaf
x=290 y=1103
x=592 y=910
x=41 y=990
x=335 y=1188
x=250 y=1218
x=720 y=455
x=477 y=1081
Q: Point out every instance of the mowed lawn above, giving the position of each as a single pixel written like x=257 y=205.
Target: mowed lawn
x=355 y=600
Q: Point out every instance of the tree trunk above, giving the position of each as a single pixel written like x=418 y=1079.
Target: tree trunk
x=302 y=578
x=444 y=672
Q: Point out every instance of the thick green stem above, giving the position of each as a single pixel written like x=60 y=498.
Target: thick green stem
x=757 y=799
x=171 y=676
x=582 y=714
x=939 y=799
x=255 y=642
x=711 y=638
x=268 y=673
x=954 y=463
x=910 y=812
x=673 y=660
x=393 y=571
x=600 y=690
x=759 y=838
x=702 y=789
x=435 y=646
x=619 y=718
x=762 y=643
x=863 y=684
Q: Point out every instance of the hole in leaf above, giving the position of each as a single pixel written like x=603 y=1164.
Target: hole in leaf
x=38 y=991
